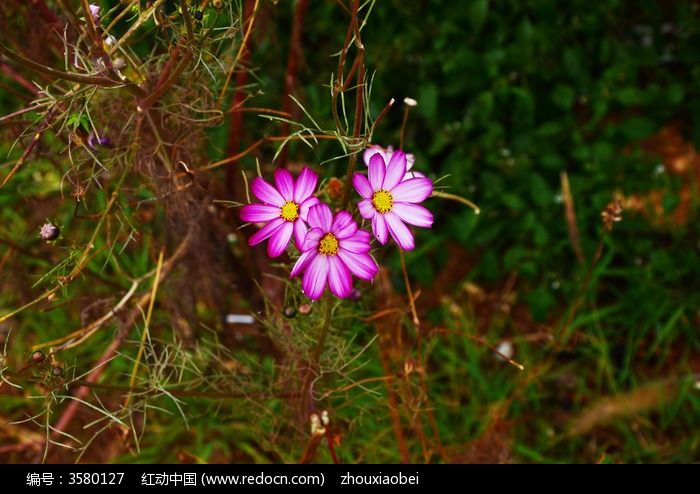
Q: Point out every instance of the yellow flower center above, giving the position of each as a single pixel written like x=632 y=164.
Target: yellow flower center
x=290 y=211
x=328 y=246
x=383 y=201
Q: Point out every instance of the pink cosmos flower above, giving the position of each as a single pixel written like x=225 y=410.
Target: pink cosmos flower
x=284 y=209
x=386 y=154
x=333 y=249
x=390 y=199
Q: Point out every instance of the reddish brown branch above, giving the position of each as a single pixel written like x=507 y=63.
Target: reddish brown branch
x=233 y=174
x=359 y=99
x=290 y=79
x=45 y=125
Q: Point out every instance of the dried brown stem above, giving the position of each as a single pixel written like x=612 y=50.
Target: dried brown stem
x=111 y=351
x=45 y=125
x=295 y=53
x=359 y=99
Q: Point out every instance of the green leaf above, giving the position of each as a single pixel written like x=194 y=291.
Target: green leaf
x=428 y=101
x=78 y=121
x=478 y=11
x=540 y=301
x=540 y=193
x=636 y=128
x=563 y=96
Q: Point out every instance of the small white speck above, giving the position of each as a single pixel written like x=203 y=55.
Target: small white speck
x=506 y=349
x=239 y=319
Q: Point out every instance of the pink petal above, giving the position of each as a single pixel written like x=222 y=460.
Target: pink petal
x=306 y=205
x=266 y=231
x=379 y=228
x=357 y=244
x=362 y=185
x=366 y=208
x=361 y=265
x=320 y=216
x=300 y=230
x=259 y=212
x=339 y=278
x=266 y=192
x=399 y=231
x=305 y=185
x=368 y=153
x=315 y=276
x=377 y=171
x=343 y=225
x=280 y=239
x=413 y=214
x=412 y=190
x=285 y=183
x=303 y=262
x=395 y=170
x=312 y=239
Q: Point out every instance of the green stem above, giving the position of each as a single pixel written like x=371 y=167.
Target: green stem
x=306 y=397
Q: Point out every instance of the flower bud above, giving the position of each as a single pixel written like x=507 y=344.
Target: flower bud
x=49 y=232
x=38 y=357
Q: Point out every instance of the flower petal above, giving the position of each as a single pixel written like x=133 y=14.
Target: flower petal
x=315 y=276
x=285 y=183
x=343 y=225
x=395 y=170
x=259 y=212
x=312 y=239
x=361 y=265
x=320 y=216
x=379 y=228
x=412 y=190
x=266 y=231
x=410 y=161
x=300 y=230
x=369 y=152
x=303 y=262
x=366 y=208
x=357 y=244
x=362 y=185
x=413 y=214
x=377 y=171
x=305 y=185
x=305 y=206
x=339 y=278
x=399 y=231
x=266 y=192
x=280 y=239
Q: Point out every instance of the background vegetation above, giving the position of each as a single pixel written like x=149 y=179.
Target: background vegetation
x=550 y=116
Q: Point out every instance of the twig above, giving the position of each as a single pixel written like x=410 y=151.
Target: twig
x=290 y=76
x=359 y=100
x=45 y=125
x=482 y=342
x=144 y=335
x=571 y=217
x=242 y=49
x=111 y=351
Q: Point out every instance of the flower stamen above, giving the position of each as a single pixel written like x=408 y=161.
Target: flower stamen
x=383 y=201
x=290 y=211
x=328 y=246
